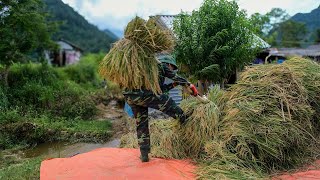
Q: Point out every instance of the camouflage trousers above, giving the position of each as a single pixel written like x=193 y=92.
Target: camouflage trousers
x=139 y=104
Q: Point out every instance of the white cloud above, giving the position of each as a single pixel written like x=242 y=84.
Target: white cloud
x=115 y=14
x=291 y=6
x=121 y=11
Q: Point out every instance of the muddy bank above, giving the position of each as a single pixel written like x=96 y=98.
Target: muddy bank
x=112 y=112
x=66 y=149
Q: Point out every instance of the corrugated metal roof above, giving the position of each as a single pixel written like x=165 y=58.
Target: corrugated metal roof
x=64 y=45
x=68 y=44
x=165 y=21
x=313 y=50
x=258 y=42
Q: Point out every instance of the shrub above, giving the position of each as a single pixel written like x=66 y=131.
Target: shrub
x=3 y=99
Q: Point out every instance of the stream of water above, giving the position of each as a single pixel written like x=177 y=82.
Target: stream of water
x=65 y=149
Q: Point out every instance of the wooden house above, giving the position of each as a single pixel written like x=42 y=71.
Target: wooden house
x=67 y=54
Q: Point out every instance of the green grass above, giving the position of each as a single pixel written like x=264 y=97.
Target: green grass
x=42 y=104
x=26 y=169
x=28 y=129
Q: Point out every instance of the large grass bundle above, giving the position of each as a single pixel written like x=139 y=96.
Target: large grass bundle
x=309 y=72
x=268 y=121
x=202 y=124
x=131 y=62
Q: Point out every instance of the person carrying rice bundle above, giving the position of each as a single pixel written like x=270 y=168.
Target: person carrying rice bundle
x=141 y=99
x=132 y=63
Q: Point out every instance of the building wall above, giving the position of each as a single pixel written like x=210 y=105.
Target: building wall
x=65 y=56
x=72 y=57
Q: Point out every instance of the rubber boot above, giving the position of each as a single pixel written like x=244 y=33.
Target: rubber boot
x=144 y=154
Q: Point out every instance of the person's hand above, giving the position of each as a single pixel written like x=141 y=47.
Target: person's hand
x=194 y=90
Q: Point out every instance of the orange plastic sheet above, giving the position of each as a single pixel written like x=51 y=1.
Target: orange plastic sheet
x=115 y=163
x=309 y=173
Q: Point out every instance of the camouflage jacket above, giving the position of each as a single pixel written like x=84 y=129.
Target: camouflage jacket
x=164 y=72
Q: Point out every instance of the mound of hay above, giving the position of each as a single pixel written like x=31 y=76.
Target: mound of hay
x=131 y=62
x=268 y=121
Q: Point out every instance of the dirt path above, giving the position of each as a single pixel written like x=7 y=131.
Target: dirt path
x=116 y=115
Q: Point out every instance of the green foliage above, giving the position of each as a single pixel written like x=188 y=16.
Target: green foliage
x=44 y=88
x=266 y=26
x=311 y=20
x=28 y=129
x=71 y=101
x=218 y=33
x=277 y=15
x=211 y=73
x=317 y=39
x=261 y=24
x=292 y=33
x=76 y=29
x=281 y=30
x=81 y=73
x=3 y=99
x=28 y=169
x=85 y=72
x=24 y=28
x=9 y=116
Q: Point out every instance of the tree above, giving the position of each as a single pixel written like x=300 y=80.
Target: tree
x=261 y=24
x=214 y=41
x=276 y=28
x=317 y=32
x=24 y=29
x=292 y=33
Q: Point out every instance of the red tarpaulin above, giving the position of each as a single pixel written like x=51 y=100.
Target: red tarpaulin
x=309 y=173
x=115 y=163
x=118 y=163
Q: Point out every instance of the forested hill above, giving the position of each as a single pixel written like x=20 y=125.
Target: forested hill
x=110 y=34
x=311 y=20
x=77 y=29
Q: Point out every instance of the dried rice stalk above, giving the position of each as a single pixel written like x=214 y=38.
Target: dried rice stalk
x=131 y=62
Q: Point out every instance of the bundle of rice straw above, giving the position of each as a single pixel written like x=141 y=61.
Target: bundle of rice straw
x=131 y=62
x=268 y=122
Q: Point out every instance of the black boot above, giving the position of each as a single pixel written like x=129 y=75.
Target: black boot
x=144 y=154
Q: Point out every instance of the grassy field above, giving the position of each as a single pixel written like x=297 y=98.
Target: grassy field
x=43 y=104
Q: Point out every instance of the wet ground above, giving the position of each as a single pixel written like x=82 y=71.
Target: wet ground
x=65 y=149
x=111 y=112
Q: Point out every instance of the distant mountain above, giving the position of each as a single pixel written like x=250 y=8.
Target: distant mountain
x=117 y=32
x=311 y=20
x=111 y=34
x=77 y=29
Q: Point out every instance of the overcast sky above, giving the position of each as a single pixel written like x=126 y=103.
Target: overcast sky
x=115 y=14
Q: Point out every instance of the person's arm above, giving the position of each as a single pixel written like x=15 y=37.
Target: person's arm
x=167 y=87
x=179 y=80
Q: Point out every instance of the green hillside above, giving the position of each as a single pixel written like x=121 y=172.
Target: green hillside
x=77 y=29
x=311 y=21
